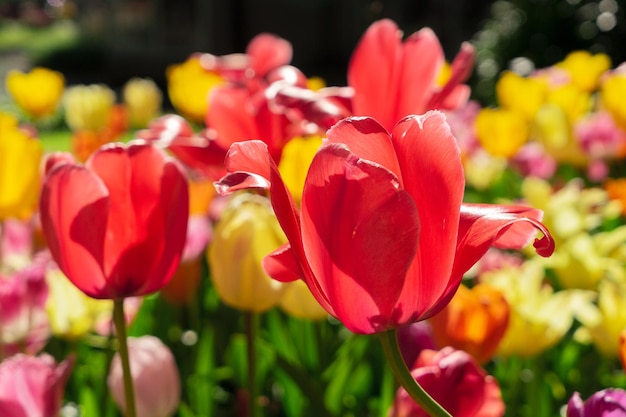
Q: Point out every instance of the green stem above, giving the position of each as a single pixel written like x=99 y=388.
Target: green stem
x=403 y=375
x=251 y=324
x=120 y=325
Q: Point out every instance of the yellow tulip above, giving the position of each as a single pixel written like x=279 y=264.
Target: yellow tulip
x=246 y=232
x=612 y=93
x=525 y=95
x=539 y=316
x=501 y=132
x=88 y=107
x=297 y=301
x=585 y=69
x=603 y=323
x=143 y=100
x=552 y=128
x=71 y=313
x=295 y=161
x=188 y=86
x=482 y=169
x=37 y=92
x=20 y=159
x=574 y=102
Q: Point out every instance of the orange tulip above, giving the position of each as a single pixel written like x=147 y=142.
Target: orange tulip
x=475 y=321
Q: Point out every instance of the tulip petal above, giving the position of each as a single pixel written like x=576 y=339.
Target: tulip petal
x=374 y=70
x=511 y=227
x=360 y=232
x=250 y=164
x=143 y=189
x=231 y=115
x=429 y=158
x=267 y=52
x=282 y=265
x=422 y=60
x=368 y=140
x=74 y=225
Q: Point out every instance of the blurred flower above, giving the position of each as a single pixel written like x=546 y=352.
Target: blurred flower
x=297 y=301
x=295 y=161
x=20 y=158
x=585 y=69
x=610 y=402
x=183 y=286
x=393 y=78
x=552 y=129
x=123 y=231
x=522 y=95
x=16 y=244
x=622 y=348
x=246 y=232
x=143 y=99
x=602 y=324
x=413 y=339
x=456 y=382
x=474 y=321
x=574 y=213
x=87 y=107
x=501 y=132
x=24 y=325
x=33 y=386
x=188 y=86
x=532 y=160
x=616 y=190
x=539 y=316
x=612 y=91
x=72 y=314
x=378 y=206
x=37 y=92
x=599 y=136
x=155 y=378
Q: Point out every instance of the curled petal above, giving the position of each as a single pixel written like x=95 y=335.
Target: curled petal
x=512 y=227
x=282 y=265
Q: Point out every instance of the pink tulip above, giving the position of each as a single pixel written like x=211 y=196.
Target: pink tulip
x=24 y=323
x=32 y=386
x=155 y=378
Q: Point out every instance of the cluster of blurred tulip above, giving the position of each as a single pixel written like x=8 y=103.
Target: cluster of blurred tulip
x=235 y=256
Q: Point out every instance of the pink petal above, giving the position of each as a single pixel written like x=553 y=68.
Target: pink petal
x=368 y=140
x=430 y=162
x=360 y=233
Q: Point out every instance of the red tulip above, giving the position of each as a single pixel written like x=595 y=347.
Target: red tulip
x=392 y=79
x=383 y=238
x=454 y=379
x=117 y=225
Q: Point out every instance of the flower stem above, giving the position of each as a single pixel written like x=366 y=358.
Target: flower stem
x=251 y=324
x=403 y=375
x=120 y=325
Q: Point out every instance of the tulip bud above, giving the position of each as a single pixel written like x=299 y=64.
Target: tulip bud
x=605 y=403
x=245 y=234
x=155 y=378
x=455 y=381
x=33 y=386
x=87 y=107
x=38 y=92
x=475 y=321
x=143 y=100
